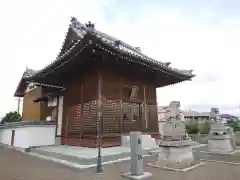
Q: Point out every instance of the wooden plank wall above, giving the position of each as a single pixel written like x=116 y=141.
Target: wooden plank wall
x=117 y=87
x=79 y=115
x=80 y=106
x=31 y=110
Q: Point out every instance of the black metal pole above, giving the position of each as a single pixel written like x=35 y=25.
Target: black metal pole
x=99 y=125
x=99 y=158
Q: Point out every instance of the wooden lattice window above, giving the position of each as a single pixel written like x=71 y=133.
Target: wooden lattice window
x=131 y=92
x=134 y=92
x=131 y=112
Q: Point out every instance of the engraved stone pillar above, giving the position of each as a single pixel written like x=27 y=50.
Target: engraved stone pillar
x=136 y=169
x=136 y=153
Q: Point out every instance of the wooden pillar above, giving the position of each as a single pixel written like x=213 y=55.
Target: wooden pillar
x=121 y=108
x=57 y=115
x=61 y=112
x=12 y=138
x=145 y=107
x=66 y=131
x=82 y=118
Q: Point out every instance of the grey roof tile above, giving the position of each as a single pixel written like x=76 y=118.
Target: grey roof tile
x=28 y=72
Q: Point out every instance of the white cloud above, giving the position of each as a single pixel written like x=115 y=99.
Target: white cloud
x=34 y=33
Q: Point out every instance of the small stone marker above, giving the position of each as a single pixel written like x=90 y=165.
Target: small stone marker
x=136 y=158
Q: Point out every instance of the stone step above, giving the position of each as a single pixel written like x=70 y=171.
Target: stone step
x=85 y=161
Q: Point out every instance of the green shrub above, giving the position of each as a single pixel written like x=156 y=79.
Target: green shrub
x=10 y=117
x=205 y=128
x=236 y=126
x=192 y=127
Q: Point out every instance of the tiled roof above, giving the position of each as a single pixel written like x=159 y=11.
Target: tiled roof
x=23 y=84
x=162 y=109
x=82 y=29
x=48 y=85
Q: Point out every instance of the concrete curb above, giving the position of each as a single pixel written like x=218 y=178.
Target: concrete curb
x=75 y=165
x=86 y=161
x=6 y=146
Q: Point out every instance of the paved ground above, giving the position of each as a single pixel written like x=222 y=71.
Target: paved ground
x=18 y=166
x=198 y=153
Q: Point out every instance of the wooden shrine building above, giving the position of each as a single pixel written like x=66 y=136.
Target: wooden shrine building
x=97 y=82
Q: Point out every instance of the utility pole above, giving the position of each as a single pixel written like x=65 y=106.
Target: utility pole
x=19 y=104
x=18 y=109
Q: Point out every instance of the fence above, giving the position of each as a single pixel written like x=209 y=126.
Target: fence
x=203 y=138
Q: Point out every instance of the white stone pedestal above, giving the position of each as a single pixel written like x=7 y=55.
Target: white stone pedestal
x=175 y=157
x=175 y=154
x=222 y=144
x=144 y=176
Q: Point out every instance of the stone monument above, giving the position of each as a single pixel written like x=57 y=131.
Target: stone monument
x=220 y=137
x=175 y=146
x=136 y=168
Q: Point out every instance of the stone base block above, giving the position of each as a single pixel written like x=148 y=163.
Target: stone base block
x=175 y=157
x=220 y=145
x=145 y=175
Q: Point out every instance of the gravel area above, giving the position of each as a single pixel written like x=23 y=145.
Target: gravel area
x=19 y=166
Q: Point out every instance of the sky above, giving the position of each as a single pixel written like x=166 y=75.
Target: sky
x=203 y=35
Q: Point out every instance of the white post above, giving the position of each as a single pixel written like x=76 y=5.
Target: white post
x=136 y=153
x=136 y=169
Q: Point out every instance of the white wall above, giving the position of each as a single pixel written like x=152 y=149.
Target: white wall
x=5 y=136
x=29 y=136
x=60 y=116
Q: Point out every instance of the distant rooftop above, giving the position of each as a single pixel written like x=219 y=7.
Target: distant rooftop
x=189 y=114
x=196 y=113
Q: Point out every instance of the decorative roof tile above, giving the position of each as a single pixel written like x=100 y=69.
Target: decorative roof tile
x=28 y=72
x=48 y=85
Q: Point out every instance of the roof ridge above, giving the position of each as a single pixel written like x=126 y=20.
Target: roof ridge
x=75 y=20
x=78 y=26
x=82 y=29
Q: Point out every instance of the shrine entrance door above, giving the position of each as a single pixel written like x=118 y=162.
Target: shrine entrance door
x=131 y=117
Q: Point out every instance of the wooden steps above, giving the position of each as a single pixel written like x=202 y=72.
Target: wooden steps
x=92 y=142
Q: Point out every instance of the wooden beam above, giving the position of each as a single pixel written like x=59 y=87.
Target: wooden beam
x=82 y=118
x=57 y=115
x=145 y=107
x=12 y=138
x=121 y=107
